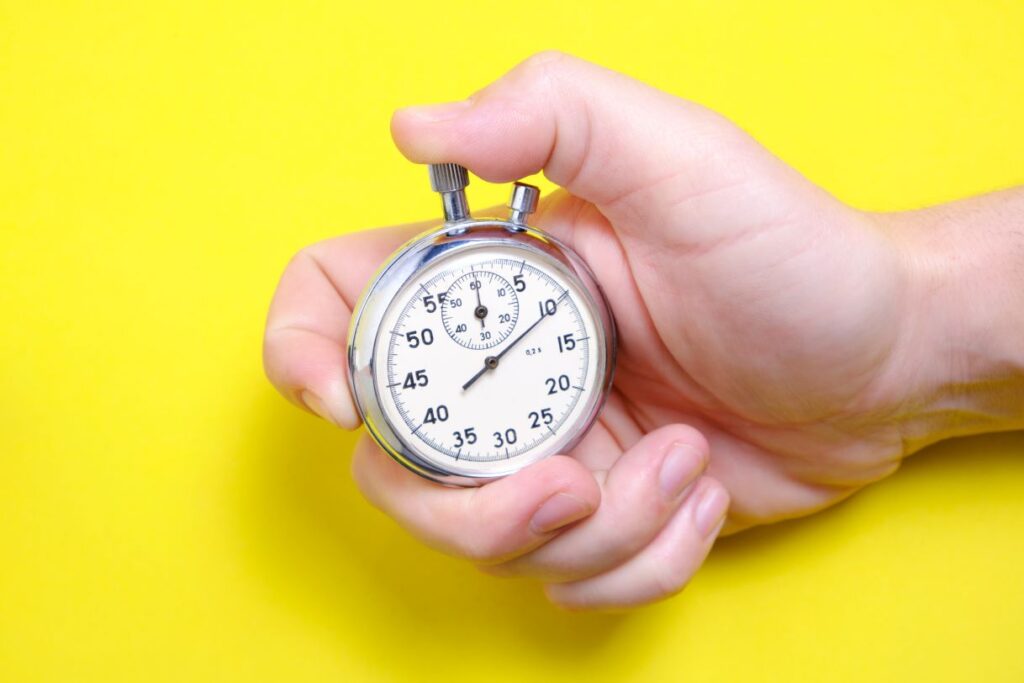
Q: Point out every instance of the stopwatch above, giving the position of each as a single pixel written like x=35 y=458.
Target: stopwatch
x=481 y=346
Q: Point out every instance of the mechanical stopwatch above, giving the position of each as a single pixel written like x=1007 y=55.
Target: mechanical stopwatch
x=481 y=346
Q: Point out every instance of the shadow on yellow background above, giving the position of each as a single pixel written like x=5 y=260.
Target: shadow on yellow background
x=164 y=516
x=325 y=555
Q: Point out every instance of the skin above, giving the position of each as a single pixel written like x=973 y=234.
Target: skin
x=779 y=350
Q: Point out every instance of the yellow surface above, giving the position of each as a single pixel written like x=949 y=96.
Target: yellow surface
x=164 y=516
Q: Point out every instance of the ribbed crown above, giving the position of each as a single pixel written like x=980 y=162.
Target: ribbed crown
x=448 y=177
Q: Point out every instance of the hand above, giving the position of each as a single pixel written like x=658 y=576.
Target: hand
x=761 y=321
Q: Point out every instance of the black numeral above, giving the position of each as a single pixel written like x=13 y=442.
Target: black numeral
x=474 y=285
x=556 y=385
x=519 y=283
x=438 y=414
x=543 y=416
x=467 y=435
x=566 y=343
x=455 y=302
x=415 y=379
x=461 y=327
x=547 y=307
x=429 y=303
x=504 y=317
x=508 y=437
x=484 y=336
x=424 y=336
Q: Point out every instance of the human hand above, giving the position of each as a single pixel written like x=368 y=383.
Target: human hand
x=760 y=320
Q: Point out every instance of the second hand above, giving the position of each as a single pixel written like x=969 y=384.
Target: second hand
x=491 y=362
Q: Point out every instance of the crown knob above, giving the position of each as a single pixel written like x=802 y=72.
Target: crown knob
x=451 y=181
x=448 y=177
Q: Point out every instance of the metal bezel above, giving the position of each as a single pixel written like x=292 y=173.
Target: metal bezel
x=419 y=253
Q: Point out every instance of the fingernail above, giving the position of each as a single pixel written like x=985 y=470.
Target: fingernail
x=313 y=402
x=557 y=511
x=680 y=467
x=711 y=509
x=435 y=113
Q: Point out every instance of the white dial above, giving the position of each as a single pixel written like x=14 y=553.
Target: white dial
x=486 y=360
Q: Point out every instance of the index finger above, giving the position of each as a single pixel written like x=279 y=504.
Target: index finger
x=304 y=342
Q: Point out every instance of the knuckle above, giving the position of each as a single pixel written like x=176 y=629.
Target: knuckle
x=546 y=68
x=314 y=255
x=483 y=550
x=301 y=258
x=477 y=539
x=671 y=574
x=545 y=58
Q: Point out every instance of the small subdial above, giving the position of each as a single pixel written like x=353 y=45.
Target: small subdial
x=480 y=309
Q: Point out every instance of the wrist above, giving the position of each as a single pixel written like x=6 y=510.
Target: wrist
x=963 y=336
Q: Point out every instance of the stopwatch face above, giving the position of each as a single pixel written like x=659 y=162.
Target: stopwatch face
x=489 y=358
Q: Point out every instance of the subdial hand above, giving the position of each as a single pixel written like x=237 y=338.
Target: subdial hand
x=481 y=310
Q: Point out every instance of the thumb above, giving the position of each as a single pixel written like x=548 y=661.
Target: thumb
x=637 y=153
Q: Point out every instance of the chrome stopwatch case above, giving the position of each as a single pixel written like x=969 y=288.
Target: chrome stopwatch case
x=481 y=346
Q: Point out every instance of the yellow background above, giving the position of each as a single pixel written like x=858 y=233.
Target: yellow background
x=164 y=516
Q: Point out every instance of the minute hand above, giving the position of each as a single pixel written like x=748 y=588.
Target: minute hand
x=493 y=360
